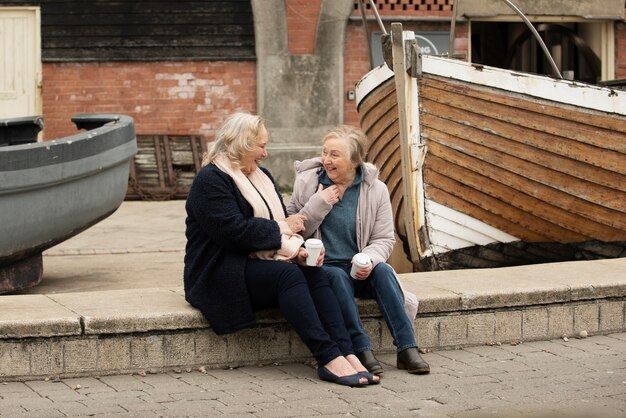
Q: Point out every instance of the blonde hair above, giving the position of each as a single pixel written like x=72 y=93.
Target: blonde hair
x=235 y=138
x=357 y=142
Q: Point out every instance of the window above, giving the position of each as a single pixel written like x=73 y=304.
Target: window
x=582 y=50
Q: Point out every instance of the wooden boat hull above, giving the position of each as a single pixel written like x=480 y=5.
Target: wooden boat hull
x=51 y=191
x=507 y=172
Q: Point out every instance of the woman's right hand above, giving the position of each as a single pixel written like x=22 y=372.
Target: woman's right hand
x=302 y=255
x=295 y=223
x=300 y=258
x=329 y=194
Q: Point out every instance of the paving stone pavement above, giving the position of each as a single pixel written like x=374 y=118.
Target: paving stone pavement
x=558 y=378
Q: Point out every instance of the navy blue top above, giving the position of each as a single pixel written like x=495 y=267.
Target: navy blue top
x=338 y=229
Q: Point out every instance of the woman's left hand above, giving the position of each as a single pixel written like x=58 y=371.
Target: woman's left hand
x=364 y=273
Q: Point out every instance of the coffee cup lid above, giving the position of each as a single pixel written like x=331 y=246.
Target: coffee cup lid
x=361 y=258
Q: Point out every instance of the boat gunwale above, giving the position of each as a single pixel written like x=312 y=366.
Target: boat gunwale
x=83 y=144
x=575 y=93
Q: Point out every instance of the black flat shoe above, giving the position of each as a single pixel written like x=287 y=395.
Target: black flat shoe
x=369 y=361
x=370 y=377
x=352 y=380
x=411 y=361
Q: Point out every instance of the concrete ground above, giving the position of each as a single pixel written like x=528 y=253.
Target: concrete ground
x=140 y=246
x=574 y=378
x=577 y=377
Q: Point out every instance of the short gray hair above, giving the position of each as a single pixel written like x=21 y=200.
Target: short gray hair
x=357 y=142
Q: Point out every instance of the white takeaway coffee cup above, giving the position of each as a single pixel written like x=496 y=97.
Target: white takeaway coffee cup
x=359 y=261
x=313 y=247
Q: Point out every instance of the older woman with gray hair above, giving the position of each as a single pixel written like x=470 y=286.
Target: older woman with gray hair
x=243 y=254
x=348 y=208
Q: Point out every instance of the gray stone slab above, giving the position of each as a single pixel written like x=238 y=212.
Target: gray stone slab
x=36 y=316
x=432 y=297
x=518 y=286
x=586 y=279
x=127 y=311
x=494 y=288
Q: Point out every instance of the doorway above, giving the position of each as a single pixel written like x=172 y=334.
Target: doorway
x=20 y=62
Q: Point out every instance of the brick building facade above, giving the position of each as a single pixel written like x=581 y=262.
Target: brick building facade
x=193 y=96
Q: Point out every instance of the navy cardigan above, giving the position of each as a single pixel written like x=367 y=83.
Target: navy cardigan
x=221 y=231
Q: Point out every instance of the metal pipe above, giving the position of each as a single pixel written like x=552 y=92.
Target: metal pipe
x=378 y=19
x=452 y=29
x=536 y=34
x=367 y=33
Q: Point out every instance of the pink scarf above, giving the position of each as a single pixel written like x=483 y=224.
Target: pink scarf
x=259 y=191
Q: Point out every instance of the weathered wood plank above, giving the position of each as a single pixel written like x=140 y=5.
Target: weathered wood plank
x=575 y=150
x=537 y=118
x=164 y=167
x=146 y=54
x=525 y=151
x=567 y=112
x=550 y=184
x=182 y=30
x=549 y=174
x=386 y=97
x=475 y=185
x=123 y=30
x=496 y=210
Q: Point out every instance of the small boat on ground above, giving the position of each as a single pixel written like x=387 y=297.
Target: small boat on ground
x=489 y=167
x=52 y=190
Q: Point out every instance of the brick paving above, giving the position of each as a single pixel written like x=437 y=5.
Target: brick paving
x=557 y=378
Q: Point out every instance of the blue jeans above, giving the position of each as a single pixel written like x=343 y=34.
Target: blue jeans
x=383 y=287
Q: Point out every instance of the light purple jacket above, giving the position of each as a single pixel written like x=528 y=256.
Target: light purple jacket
x=374 y=220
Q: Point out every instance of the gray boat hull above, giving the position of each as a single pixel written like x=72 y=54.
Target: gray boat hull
x=53 y=190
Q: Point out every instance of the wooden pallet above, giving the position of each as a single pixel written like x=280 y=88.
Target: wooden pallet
x=164 y=167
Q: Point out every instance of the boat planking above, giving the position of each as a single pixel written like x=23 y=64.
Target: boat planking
x=489 y=167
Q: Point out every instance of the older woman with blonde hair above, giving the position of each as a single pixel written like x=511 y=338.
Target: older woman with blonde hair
x=243 y=254
x=348 y=208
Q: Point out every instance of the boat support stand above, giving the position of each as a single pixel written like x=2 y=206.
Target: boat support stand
x=22 y=274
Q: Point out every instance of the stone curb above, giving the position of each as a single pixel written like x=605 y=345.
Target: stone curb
x=146 y=310
x=122 y=331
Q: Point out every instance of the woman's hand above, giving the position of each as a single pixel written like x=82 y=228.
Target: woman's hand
x=329 y=194
x=364 y=273
x=295 y=223
x=300 y=259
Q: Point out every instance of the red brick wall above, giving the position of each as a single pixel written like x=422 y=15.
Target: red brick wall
x=302 y=17
x=356 y=65
x=411 y=7
x=176 y=98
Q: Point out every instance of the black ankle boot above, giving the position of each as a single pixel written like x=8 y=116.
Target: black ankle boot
x=369 y=361
x=411 y=360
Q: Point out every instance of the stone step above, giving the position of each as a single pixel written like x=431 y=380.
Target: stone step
x=155 y=330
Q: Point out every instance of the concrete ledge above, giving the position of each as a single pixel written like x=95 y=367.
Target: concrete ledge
x=131 y=311
x=139 y=330
x=36 y=316
x=462 y=290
